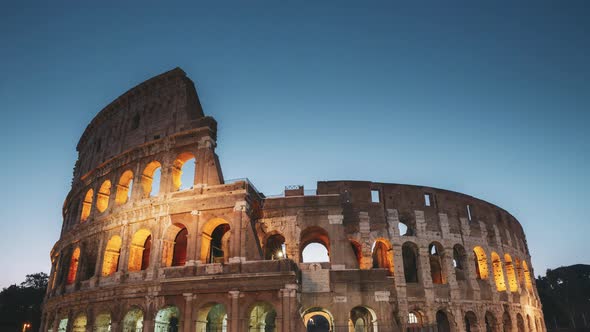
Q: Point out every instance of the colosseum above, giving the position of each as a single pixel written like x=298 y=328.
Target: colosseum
x=155 y=239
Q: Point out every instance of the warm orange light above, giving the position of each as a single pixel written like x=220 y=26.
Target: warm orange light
x=124 y=187
x=110 y=263
x=498 y=273
x=102 y=199
x=147 y=177
x=73 y=266
x=87 y=205
x=177 y=169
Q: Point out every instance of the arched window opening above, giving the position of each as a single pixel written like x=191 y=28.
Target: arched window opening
x=140 y=250
x=403 y=229
x=174 y=246
x=410 y=257
x=357 y=250
x=275 y=248
x=215 y=241
x=212 y=318
x=383 y=256
x=73 y=269
x=124 y=188
x=183 y=172
x=519 y=272
x=460 y=262
x=102 y=323
x=442 y=322
x=167 y=319
x=80 y=323
x=102 y=199
x=365 y=319
x=520 y=323
x=415 y=322
x=506 y=322
x=490 y=322
x=318 y=320
x=527 y=276
x=180 y=244
x=481 y=263
x=133 y=320
x=63 y=325
x=150 y=179
x=498 y=272
x=510 y=274
x=529 y=323
x=262 y=318
x=470 y=322
x=314 y=245
x=436 y=263
x=87 y=205
x=110 y=263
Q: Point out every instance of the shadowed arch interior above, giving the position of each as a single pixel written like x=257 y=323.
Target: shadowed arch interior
x=140 y=250
x=110 y=263
x=410 y=258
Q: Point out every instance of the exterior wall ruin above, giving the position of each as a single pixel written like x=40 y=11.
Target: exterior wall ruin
x=221 y=256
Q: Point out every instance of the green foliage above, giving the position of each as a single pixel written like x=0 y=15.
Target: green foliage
x=20 y=304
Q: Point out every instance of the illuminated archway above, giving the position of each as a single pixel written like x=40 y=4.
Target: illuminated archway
x=415 y=321
x=357 y=250
x=151 y=171
x=102 y=322
x=102 y=198
x=87 y=205
x=80 y=323
x=133 y=320
x=383 y=255
x=124 y=188
x=167 y=319
x=212 y=317
x=363 y=319
x=63 y=325
x=175 y=245
x=436 y=253
x=510 y=273
x=262 y=318
x=481 y=263
x=140 y=250
x=183 y=172
x=110 y=262
x=314 y=245
x=73 y=269
x=274 y=247
x=410 y=258
x=318 y=320
x=498 y=272
x=527 y=276
x=215 y=238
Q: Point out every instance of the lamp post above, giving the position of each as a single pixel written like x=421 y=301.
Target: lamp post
x=26 y=326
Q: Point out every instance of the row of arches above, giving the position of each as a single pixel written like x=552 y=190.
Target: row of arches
x=182 y=173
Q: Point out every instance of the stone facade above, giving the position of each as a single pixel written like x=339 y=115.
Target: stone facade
x=221 y=256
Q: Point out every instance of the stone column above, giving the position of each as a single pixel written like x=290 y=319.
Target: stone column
x=234 y=311
x=124 y=254
x=188 y=324
x=99 y=259
x=365 y=229
x=237 y=253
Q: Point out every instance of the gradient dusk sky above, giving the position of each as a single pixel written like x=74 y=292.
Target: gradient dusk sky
x=486 y=99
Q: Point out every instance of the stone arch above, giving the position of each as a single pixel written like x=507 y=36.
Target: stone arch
x=520 y=323
x=147 y=178
x=357 y=249
x=103 y=196
x=460 y=262
x=363 y=319
x=262 y=318
x=314 y=234
x=510 y=273
x=212 y=317
x=471 y=324
x=527 y=276
x=318 y=319
x=530 y=323
x=481 y=263
x=490 y=323
x=102 y=322
x=519 y=272
x=133 y=320
x=73 y=267
x=498 y=272
x=443 y=321
x=110 y=262
x=124 y=188
x=506 y=322
x=178 y=168
x=140 y=250
x=436 y=255
x=383 y=255
x=80 y=322
x=215 y=241
x=87 y=205
x=415 y=321
x=411 y=262
x=167 y=319
x=274 y=246
x=62 y=325
x=174 y=248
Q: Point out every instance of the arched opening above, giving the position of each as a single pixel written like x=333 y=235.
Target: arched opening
x=110 y=262
x=506 y=322
x=180 y=244
x=87 y=205
x=73 y=269
x=315 y=245
x=490 y=322
x=436 y=253
x=318 y=320
x=527 y=276
x=80 y=323
x=404 y=230
x=212 y=318
x=520 y=323
x=383 y=255
x=167 y=320
x=363 y=319
x=102 y=199
x=124 y=188
x=215 y=241
x=183 y=172
x=519 y=272
x=262 y=318
x=529 y=323
x=410 y=257
x=442 y=322
x=510 y=274
x=415 y=321
x=539 y=325
x=139 y=251
x=174 y=246
x=498 y=273
x=102 y=322
x=150 y=179
x=63 y=325
x=133 y=320
x=471 y=322
x=481 y=263
x=357 y=250
x=274 y=247
x=460 y=262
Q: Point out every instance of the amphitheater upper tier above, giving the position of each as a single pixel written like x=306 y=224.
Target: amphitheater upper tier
x=154 y=239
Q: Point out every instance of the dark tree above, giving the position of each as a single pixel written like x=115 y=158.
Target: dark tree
x=22 y=304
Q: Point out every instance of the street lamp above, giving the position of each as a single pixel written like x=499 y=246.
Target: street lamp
x=26 y=326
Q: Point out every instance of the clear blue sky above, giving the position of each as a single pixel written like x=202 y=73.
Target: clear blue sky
x=490 y=100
